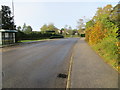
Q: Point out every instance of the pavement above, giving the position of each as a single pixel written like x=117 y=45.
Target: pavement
x=37 y=65
x=89 y=70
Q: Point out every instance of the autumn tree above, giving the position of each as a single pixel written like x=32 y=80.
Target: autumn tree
x=100 y=25
x=101 y=33
x=103 y=13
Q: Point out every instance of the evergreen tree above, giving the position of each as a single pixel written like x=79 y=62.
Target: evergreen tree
x=7 y=20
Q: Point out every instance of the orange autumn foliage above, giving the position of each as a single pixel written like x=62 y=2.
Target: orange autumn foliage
x=95 y=34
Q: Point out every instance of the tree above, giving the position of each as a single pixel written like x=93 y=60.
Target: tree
x=101 y=33
x=80 y=26
x=44 y=27
x=19 y=28
x=28 y=29
x=115 y=17
x=70 y=31
x=49 y=27
x=103 y=13
x=90 y=24
x=24 y=27
x=7 y=19
x=101 y=26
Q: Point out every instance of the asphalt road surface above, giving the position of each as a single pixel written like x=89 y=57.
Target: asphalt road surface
x=37 y=65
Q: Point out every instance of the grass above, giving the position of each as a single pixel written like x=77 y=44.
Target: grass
x=32 y=40
x=71 y=36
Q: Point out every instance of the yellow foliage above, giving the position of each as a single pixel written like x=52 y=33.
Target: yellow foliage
x=95 y=34
x=118 y=44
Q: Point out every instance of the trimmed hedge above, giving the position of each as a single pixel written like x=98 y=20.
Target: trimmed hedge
x=82 y=35
x=35 y=36
x=56 y=36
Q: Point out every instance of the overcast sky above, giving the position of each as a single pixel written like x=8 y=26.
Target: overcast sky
x=60 y=12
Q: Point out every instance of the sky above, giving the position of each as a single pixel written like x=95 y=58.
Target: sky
x=36 y=13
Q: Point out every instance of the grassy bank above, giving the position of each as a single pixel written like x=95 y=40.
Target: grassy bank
x=108 y=49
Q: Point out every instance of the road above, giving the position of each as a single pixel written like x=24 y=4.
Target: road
x=37 y=65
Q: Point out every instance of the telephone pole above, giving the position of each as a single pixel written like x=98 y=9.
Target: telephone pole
x=13 y=13
x=13 y=9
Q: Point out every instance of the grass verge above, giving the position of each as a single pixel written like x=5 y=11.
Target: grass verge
x=108 y=49
x=32 y=40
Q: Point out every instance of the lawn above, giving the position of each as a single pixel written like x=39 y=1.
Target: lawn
x=32 y=40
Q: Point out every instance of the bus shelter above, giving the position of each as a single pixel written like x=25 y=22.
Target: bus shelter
x=7 y=37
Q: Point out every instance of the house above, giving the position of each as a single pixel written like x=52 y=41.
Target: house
x=7 y=37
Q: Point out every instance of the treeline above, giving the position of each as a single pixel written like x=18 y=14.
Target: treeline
x=103 y=33
x=46 y=31
x=27 y=33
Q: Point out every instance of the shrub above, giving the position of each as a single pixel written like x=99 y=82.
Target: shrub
x=56 y=36
x=109 y=50
x=82 y=35
x=103 y=34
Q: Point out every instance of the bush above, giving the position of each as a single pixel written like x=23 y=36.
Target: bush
x=109 y=50
x=35 y=36
x=103 y=34
x=82 y=35
x=56 y=36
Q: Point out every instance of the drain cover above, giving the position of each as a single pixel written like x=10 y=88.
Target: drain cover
x=62 y=75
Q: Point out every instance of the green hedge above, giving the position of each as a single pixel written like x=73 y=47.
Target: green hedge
x=35 y=36
x=82 y=35
x=56 y=36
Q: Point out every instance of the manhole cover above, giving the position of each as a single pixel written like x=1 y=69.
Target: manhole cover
x=62 y=75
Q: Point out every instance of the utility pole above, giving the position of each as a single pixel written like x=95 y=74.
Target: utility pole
x=13 y=7
x=13 y=11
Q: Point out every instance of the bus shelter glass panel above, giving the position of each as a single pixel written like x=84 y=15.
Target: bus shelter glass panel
x=11 y=39
x=3 y=38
